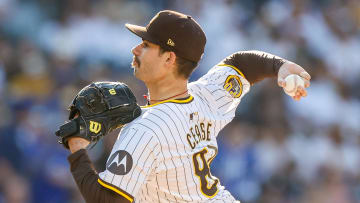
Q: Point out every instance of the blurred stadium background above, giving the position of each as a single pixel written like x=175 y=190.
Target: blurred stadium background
x=275 y=151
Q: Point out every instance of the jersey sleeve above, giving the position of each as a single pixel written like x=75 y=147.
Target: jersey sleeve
x=131 y=161
x=222 y=88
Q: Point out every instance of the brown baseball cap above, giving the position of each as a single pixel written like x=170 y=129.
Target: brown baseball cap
x=174 y=31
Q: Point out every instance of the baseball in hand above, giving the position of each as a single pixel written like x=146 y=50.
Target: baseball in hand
x=292 y=82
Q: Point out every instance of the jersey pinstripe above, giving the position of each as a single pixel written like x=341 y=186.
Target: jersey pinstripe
x=165 y=154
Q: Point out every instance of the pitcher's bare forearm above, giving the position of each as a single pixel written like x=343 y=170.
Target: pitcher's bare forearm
x=77 y=143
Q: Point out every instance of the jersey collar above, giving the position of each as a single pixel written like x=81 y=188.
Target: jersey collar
x=185 y=100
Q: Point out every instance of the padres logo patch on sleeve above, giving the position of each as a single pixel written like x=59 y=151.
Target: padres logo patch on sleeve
x=233 y=85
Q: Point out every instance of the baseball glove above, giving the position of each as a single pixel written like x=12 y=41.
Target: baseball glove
x=101 y=107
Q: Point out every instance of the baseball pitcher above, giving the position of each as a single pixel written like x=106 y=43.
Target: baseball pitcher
x=165 y=151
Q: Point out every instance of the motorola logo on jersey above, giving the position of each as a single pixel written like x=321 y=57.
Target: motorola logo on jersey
x=120 y=163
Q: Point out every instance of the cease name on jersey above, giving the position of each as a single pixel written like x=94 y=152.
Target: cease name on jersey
x=198 y=134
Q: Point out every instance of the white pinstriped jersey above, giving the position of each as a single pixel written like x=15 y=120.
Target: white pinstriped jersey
x=165 y=154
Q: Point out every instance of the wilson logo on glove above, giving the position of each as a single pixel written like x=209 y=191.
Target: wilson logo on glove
x=95 y=127
x=112 y=91
x=100 y=107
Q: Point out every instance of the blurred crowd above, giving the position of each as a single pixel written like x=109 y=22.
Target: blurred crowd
x=275 y=151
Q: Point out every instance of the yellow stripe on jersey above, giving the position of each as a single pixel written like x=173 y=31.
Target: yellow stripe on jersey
x=233 y=67
x=188 y=100
x=131 y=199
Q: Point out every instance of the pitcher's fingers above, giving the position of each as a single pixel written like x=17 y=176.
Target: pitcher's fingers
x=305 y=75
x=281 y=82
x=302 y=91
x=296 y=98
